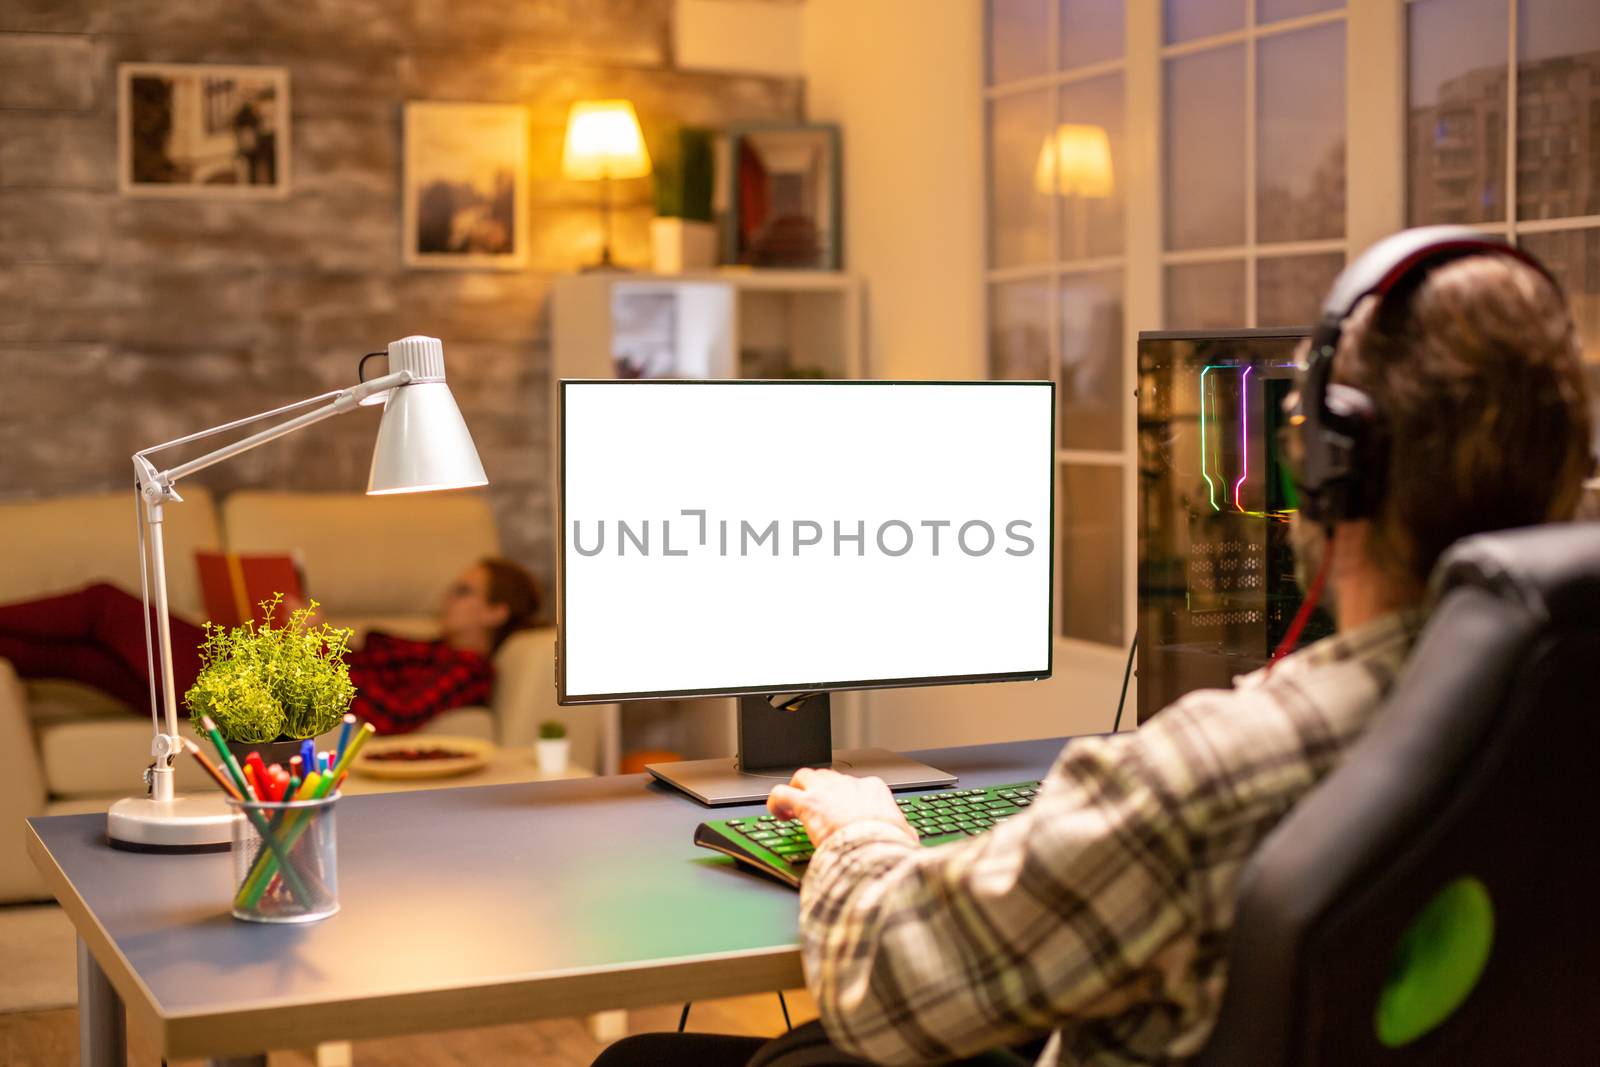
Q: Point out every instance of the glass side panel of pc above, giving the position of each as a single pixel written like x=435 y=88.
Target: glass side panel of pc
x=728 y=537
x=1217 y=586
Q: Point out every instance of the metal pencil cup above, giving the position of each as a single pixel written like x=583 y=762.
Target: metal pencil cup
x=284 y=861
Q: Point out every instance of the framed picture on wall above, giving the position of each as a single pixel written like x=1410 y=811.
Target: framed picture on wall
x=784 y=197
x=465 y=200
x=202 y=130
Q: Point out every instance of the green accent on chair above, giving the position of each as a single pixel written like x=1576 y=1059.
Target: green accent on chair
x=1437 y=962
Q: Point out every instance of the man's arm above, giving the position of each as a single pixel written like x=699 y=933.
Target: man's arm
x=1070 y=911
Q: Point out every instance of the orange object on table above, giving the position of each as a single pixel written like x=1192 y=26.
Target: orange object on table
x=633 y=762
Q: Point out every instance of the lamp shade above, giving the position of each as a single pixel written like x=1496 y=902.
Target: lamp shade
x=603 y=141
x=1075 y=161
x=423 y=443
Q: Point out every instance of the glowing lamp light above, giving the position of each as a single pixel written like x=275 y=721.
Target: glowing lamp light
x=603 y=141
x=1075 y=161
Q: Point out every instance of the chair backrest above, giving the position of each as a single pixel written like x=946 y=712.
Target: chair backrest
x=1480 y=766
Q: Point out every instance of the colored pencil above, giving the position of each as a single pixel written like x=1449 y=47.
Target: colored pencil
x=262 y=870
x=344 y=737
x=296 y=885
x=211 y=769
x=261 y=781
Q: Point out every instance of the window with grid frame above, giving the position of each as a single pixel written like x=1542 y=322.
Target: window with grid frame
x=1253 y=127
x=1501 y=130
x=1503 y=133
x=1055 y=131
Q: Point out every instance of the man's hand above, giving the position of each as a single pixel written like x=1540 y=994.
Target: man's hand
x=825 y=801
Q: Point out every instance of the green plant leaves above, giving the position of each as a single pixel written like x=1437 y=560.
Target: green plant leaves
x=262 y=683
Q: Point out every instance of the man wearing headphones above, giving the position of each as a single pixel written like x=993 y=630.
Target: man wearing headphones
x=1442 y=395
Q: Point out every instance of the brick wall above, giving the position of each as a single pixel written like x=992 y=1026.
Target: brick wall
x=124 y=322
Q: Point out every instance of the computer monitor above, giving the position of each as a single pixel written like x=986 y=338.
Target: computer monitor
x=776 y=541
x=1217 y=585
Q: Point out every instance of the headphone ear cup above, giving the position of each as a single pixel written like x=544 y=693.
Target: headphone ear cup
x=1357 y=456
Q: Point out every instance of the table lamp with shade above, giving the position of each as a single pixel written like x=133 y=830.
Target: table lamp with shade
x=603 y=143
x=423 y=445
x=1075 y=161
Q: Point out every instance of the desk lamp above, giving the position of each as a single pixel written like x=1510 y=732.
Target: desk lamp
x=604 y=142
x=423 y=445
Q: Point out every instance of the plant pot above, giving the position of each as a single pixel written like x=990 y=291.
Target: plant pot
x=678 y=245
x=281 y=750
x=552 y=755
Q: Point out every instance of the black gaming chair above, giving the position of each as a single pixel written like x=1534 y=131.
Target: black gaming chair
x=1474 y=791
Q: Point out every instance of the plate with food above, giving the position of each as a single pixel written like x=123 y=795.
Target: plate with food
x=422 y=756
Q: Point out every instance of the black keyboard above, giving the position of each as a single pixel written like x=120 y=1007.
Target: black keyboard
x=780 y=847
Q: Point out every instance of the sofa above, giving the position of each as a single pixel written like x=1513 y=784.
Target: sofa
x=374 y=563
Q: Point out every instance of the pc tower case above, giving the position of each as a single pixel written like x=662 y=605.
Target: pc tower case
x=1217 y=585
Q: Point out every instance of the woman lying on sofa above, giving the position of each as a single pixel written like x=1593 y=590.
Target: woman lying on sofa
x=96 y=636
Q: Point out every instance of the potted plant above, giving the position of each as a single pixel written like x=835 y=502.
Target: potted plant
x=682 y=236
x=269 y=687
x=552 y=748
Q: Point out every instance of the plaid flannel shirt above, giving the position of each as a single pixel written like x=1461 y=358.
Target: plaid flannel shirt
x=401 y=684
x=1102 y=912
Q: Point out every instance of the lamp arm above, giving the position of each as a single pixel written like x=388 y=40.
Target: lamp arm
x=157 y=487
x=344 y=400
x=235 y=424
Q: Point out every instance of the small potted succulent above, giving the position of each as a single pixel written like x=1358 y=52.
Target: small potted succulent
x=552 y=748
x=269 y=687
x=682 y=236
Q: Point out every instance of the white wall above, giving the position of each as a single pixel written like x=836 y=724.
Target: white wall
x=744 y=35
x=903 y=78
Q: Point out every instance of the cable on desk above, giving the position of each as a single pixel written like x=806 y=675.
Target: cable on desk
x=787 y=1025
x=683 y=1020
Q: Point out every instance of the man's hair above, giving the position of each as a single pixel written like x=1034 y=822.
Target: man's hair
x=1478 y=380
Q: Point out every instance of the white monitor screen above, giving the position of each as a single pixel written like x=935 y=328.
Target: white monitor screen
x=763 y=537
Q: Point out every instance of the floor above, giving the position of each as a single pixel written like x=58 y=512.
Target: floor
x=38 y=1024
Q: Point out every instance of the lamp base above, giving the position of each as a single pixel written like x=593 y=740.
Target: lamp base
x=182 y=824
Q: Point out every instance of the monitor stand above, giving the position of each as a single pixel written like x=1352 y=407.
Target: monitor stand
x=779 y=734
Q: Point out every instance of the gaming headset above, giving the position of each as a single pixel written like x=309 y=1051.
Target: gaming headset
x=1339 y=439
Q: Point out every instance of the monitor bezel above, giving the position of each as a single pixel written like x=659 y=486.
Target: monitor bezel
x=566 y=699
